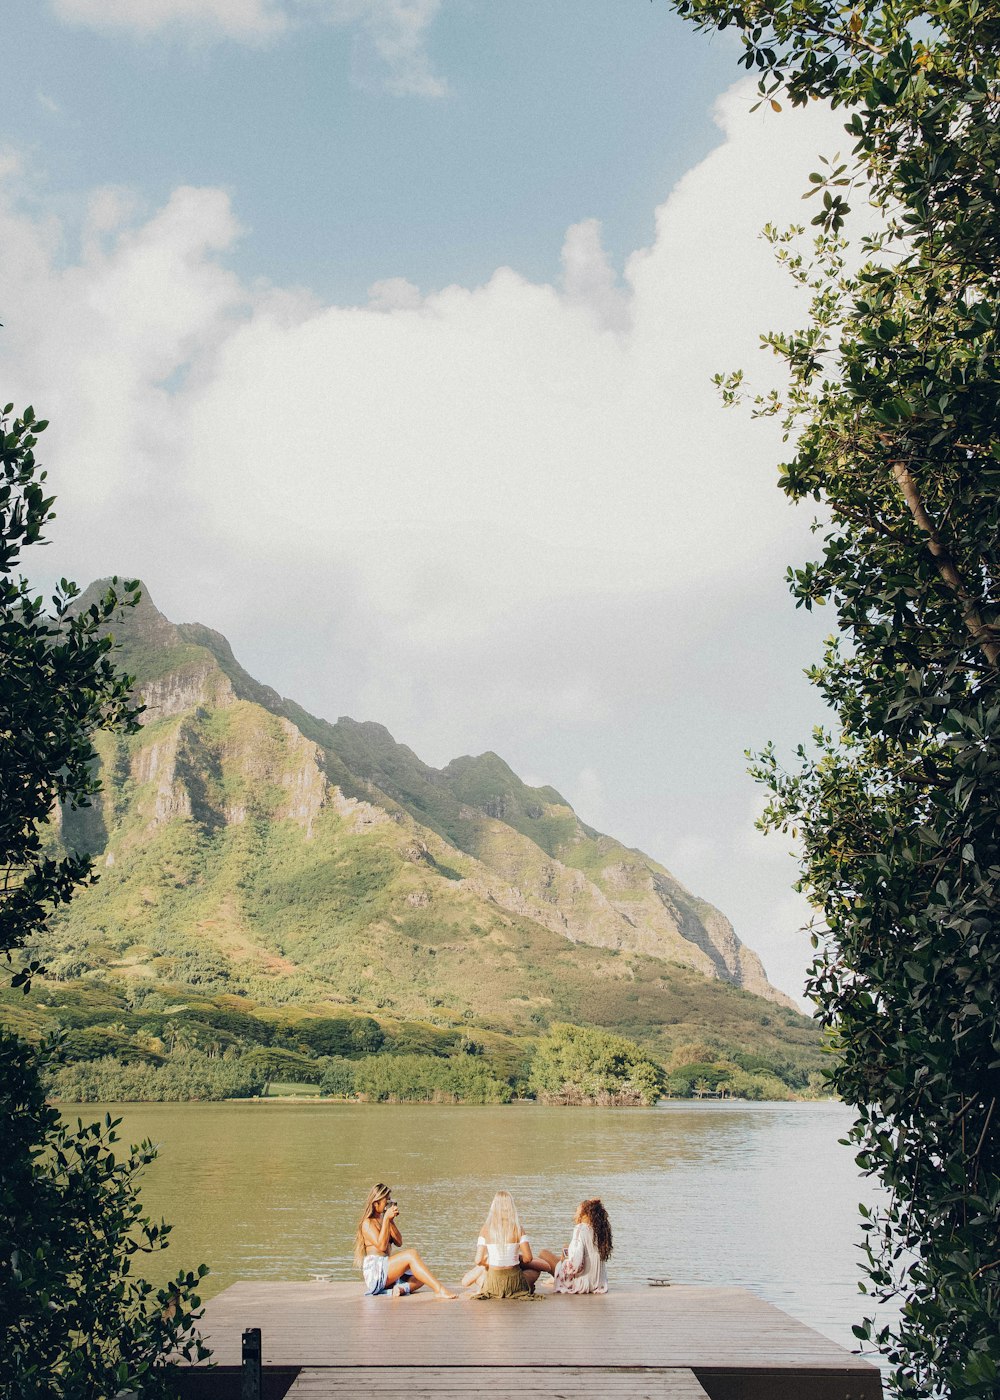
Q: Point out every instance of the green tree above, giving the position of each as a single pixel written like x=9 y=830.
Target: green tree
x=350 y=1036
x=74 y=1318
x=581 y=1064
x=57 y=685
x=338 y=1078
x=285 y=1065
x=74 y=1322
x=892 y=407
x=426 y=1079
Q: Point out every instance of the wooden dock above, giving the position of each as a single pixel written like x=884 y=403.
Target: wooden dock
x=326 y=1341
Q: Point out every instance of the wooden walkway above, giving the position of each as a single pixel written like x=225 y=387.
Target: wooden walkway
x=326 y=1341
x=498 y=1382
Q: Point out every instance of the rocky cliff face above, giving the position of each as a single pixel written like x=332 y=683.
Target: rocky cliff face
x=393 y=839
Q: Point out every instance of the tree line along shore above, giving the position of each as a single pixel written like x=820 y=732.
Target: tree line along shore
x=162 y=1047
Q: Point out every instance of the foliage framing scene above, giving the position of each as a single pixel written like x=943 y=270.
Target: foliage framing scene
x=285 y=901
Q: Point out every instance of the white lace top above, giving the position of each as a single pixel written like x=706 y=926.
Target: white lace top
x=502 y=1256
x=583 y=1270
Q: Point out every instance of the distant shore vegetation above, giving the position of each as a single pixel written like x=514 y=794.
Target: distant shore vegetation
x=134 y=1044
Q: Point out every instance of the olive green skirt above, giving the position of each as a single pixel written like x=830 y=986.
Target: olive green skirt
x=506 y=1283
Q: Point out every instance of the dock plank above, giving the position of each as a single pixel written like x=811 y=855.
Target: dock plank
x=498 y=1382
x=724 y=1337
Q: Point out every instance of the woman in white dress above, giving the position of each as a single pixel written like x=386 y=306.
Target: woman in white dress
x=583 y=1267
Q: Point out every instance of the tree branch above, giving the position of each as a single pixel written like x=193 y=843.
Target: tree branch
x=983 y=633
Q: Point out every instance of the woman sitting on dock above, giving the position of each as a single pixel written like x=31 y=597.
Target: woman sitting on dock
x=505 y=1264
x=582 y=1269
x=377 y=1235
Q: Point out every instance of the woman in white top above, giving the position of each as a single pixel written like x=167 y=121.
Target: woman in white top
x=505 y=1264
x=582 y=1269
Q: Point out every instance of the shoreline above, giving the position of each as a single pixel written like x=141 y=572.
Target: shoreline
x=335 y=1102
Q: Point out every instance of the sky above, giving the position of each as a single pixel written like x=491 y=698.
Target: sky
x=379 y=335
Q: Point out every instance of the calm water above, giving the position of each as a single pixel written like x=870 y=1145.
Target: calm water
x=755 y=1195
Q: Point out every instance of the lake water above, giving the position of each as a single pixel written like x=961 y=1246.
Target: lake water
x=756 y=1195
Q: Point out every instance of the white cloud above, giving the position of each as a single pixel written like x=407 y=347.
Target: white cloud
x=589 y=280
x=232 y=19
x=455 y=460
x=390 y=35
x=395 y=32
x=394 y=294
x=461 y=453
x=489 y=516
x=461 y=458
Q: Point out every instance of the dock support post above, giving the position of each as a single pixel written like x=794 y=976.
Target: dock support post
x=250 y=1387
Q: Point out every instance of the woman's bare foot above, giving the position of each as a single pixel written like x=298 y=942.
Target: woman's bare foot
x=444 y=1293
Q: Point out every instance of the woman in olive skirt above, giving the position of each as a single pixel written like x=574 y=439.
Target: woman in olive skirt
x=505 y=1251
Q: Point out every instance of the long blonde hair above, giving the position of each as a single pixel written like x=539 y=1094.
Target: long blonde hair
x=379 y=1192
x=502 y=1225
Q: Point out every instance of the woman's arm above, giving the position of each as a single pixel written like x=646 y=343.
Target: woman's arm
x=389 y=1233
x=524 y=1251
x=574 y=1255
x=383 y=1237
x=481 y=1252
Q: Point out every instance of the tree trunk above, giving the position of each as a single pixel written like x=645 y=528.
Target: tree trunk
x=985 y=635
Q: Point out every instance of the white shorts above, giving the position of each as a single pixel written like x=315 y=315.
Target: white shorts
x=375 y=1268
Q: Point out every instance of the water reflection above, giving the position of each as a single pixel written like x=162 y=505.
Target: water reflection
x=756 y=1195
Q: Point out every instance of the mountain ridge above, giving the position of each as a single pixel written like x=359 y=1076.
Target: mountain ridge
x=242 y=837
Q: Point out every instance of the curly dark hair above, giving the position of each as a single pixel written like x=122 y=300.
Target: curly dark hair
x=597 y=1217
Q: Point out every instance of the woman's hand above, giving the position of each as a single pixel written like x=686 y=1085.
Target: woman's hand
x=392 y=1211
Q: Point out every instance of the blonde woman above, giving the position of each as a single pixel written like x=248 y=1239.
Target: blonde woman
x=503 y=1253
x=376 y=1237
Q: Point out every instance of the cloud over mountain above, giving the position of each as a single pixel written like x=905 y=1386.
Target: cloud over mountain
x=508 y=504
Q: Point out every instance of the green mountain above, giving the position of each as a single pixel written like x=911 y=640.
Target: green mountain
x=247 y=848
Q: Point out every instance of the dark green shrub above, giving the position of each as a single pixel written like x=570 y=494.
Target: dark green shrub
x=339 y=1078
x=419 y=1038
x=582 y=1065
x=97 y=1043
x=428 y=1079
x=185 y=1075
x=682 y=1080
x=272 y=1063
x=340 y=1035
x=75 y=1321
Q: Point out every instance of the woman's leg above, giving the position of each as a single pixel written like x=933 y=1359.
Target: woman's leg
x=544 y=1261
x=410 y=1259
x=474 y=1277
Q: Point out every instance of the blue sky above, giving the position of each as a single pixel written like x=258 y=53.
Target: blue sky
x=379 y=335
x=552 y=112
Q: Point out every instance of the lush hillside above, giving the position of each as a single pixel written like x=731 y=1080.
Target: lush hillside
x=248 y=850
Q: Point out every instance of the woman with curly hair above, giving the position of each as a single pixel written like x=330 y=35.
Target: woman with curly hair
x=582 y=1269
